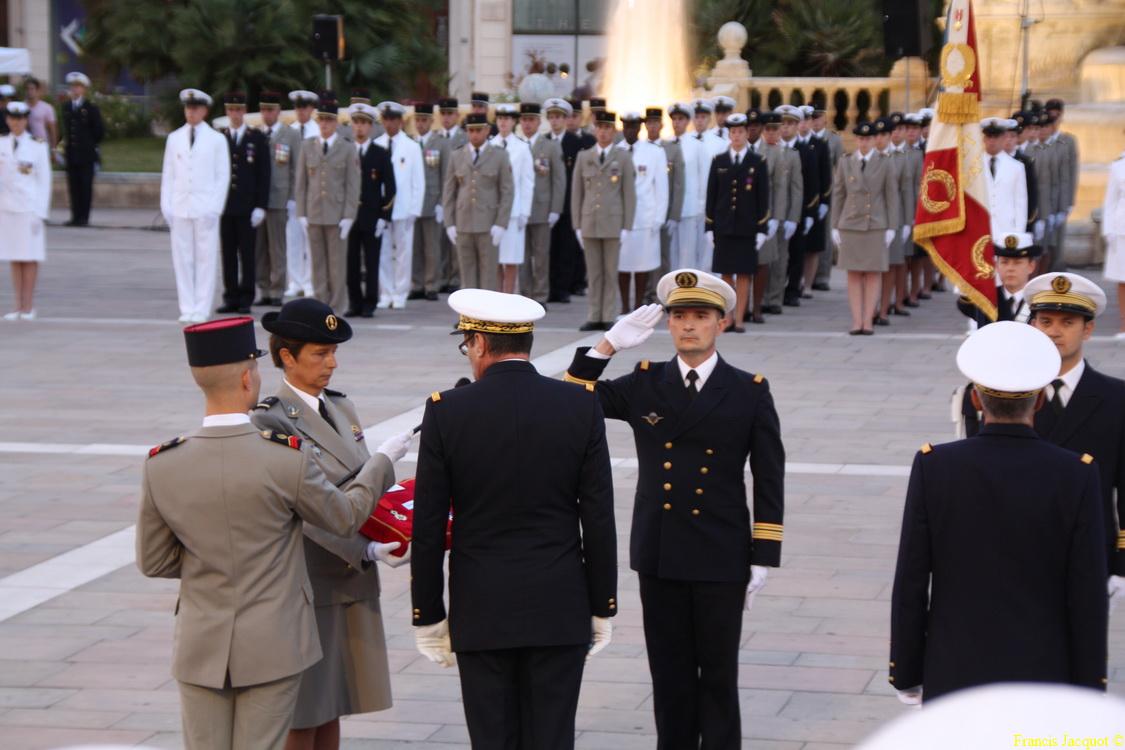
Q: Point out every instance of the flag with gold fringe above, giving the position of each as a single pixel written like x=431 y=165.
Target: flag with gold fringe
x=951 y=220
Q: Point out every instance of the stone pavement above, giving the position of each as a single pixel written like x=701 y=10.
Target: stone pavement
x=102 y=375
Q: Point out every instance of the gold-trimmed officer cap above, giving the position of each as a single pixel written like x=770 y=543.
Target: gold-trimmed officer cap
x=361 y=111
x=1065 y=292
x=486 y=311
x=195 y=97
x=689 y=287
x=1017 y=245
x=1009 y=360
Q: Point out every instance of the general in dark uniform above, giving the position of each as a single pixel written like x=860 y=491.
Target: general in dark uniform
x=373 y=217
x=247 y=200
x=83 y=131
x=1001 y=566
x=1085 y=410
x=699 y=549
x=521 y=462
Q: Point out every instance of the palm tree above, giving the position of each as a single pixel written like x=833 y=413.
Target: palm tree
x=832 y=38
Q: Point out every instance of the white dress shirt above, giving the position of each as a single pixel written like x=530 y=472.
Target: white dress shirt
x=226 y=420
x=704 y=370
x=313 y=402
x=1069 y=383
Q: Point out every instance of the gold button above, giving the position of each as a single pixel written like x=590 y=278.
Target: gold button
x=704 y=470
x=667 y=506
x=613 y=606
x=698 y=491
x=667 y=464
x=695 y=511
x=667 y=487
x=892 y=664
x=668 y=446
x=710 y=452
x=613 y=601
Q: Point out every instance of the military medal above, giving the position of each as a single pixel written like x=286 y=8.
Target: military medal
x=25 y=167
x=614 y=173
x=281 y=153
x=642 y=169
x=357 y=431
x=292 y=411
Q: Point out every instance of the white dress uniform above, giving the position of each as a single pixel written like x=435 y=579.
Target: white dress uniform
x=641 y=250
x=398 y=244
x=25 y=197
x=1113 y=222
x=686 y=238
x=1007 y=194
x=193 y=191
x=298 y=263
x=512 y=247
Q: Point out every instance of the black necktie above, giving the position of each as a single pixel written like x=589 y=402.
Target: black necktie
x=863 y=165
x=1056 y=400
x=326 y=148
x=692 y=376
x=476 y=155
x=992 y=166
x=191 y=137
x=324 y=413
x=15 y=144
x=601 y=158
x=737 y=159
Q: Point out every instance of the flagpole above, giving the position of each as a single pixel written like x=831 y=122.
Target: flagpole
x=1026 y=22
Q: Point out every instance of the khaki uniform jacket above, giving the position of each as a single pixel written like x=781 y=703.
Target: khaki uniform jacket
x=337 y=569
x=549 y=193
x=865 y=199
x=906 y=205
x=915 y=159
x=677 y=172
x=787 y=185
x=478 y=196
x=1047 y=172
x=327 y=184
x=1069 y=166
x=222 y=511
x=285 y=150
x=603 y=197
x=435 y=162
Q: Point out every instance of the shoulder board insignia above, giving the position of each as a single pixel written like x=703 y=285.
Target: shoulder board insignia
x=926 y=448
x=645 y=364
x=1087 y=458
x=337 y=394
x=281 y=438
x=267 y=402
x=167 y=446
x=435 y=396
x=590 y=387
x=759 y=378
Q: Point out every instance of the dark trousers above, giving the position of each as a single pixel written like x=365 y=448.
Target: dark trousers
x=239 y=262
x=363 y=269
x=80 y=185
x=522 y=698
x=692 y=633
x=565 y=254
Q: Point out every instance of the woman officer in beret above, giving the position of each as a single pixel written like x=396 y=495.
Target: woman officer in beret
x=352 y=677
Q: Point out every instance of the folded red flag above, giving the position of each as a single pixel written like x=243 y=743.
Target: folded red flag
x=393 y=519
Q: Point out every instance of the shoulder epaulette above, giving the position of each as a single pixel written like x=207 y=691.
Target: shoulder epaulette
x=567 y=377
x=267 y=402
x=291 y=441
x=926 y=448
x=167 y=446
x=337 y=394
x=1087 y=458
x=759 y=378
x=589 y=387
x=644 y=365
x=435 y=396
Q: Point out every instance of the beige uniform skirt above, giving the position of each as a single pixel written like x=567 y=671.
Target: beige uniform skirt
x=863 y=251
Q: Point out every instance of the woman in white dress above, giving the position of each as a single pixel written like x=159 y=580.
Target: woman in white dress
x=25 y=197
x=512 y=246
x=640 y=252
x=1113 y=229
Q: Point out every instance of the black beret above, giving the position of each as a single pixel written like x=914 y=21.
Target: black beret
x=221 y=342
x=307 y=319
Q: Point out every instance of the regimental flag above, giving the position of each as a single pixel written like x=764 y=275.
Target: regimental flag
x=951 y=221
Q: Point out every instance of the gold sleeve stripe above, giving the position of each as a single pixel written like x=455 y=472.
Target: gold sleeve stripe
x=766 y=218
x=580 y=381
x=1121 y=540
x=764 y=525
x=813 y=202
x=767 y=537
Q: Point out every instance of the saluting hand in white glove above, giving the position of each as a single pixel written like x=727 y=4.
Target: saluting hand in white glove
x=395 y=447
x=432 y=642
x=601 y=633
x=635 y=328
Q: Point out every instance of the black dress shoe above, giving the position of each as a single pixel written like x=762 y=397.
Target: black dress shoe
x=592 y=325
x=263 y=302
x=757 y=319
x=226 y=309
x=806 y=295
x=882 y=322
x=416 y=295
x=923 y=295
x=431 y=296
x=367 y=314
x=772 y=310
x=856 y=332
x=737 y=329
x=561 y=300
x=578 y=292
x=867 y=332
x=821 y=286
x=353 y=313
x=791 y=302
x=911 y=303
x=900 y=311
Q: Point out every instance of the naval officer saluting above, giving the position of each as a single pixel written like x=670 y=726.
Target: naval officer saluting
x=699 y=551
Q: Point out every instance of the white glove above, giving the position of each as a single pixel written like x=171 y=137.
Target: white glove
x=758 y=574
x=432 y=642
x=304 y=222
x=395 y=447
x=382 y=552
x=1039 y=229
x=1116 y=589
x=578 y=236
x=761 y=240
x=710 y=238
x=772 y=225
x=911 y=696
x=808 y=224
x=380 y=227
x=888 y=237
x=290 y=209
x=439 y=214
x=345 y=227
x=1060 y=218
x=670 y=225
x=552 y=219
x=451 y=233
x=836 y=238
x=257 y=216
x=624 y=235
x=790 y=230
x=497 y=235
x=635 y=328
x=521 y=223
x=822 y=211
x=905 y=232
x=601 y=633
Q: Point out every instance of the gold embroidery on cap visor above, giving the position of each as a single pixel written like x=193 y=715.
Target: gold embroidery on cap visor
x=1005 y=394
x=488 y=326
x=1064 y=300
x=686 y=296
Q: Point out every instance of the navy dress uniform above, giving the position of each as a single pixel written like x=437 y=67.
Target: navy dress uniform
x=1000 y=574
x=1085 y=410
x=376 y=201
x=83 y=130
x=694 y=539
x=1021 y=120
x=354 y=676
x=522 y=463
x=247 y=199
x=737 y=223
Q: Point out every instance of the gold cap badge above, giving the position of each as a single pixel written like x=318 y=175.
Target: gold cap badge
x=331 y=322
x=1061 y=284
x=686 y=279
